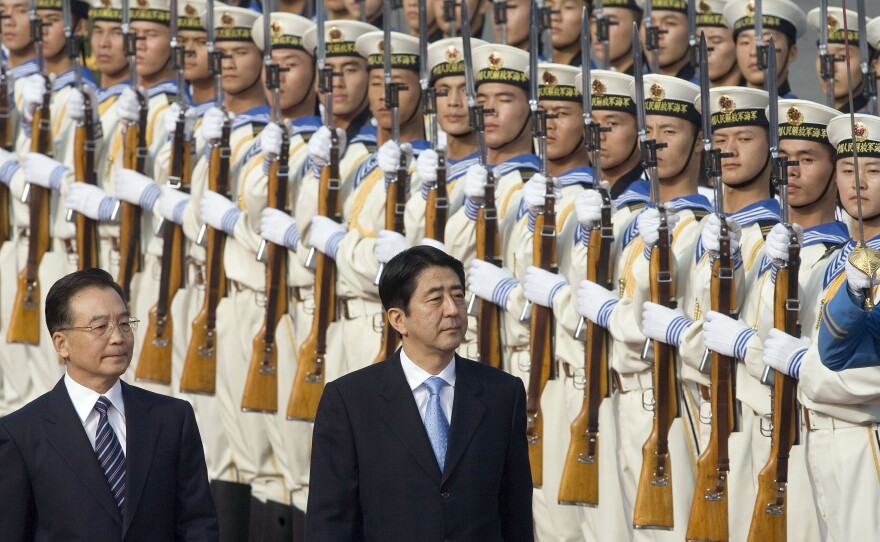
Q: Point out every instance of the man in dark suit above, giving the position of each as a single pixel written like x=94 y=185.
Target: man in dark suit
x=426 y=445
x=95 y=458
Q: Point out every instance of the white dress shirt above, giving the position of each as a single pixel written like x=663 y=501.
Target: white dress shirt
x=416 y=377
x=84 y=401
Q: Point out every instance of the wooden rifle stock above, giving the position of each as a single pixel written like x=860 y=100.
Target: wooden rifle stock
x=84 y=172
x=133 y=157
x=7 y=144
x=261 y=386
x=653 y=507
x=154 y=364
x=24 y=322
x=580 y=474
x=308 y=384
x=488 y=249
x=769 y=517
x=709 y=518
x=395 y=203
x=200 y=367
x=541 y=351
x=437 y=205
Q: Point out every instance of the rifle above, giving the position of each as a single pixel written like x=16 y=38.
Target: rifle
x=134 y=154
x=24 y=322
x=154 y=364
x=308 y=384
x=652 y=40
x=488 y=240
x=499 y=13
x=449 y=15
x=869 y=78
x=437 y=204
x=761 y=50
x=202 y=351
x=653 y=507
x=603 y=29
x=709 y=519
x=7 y=142
x=395 y=193
x=580 y=474
x=769 y=514
x=542 y=21
x=261 y=387
x=826 y=61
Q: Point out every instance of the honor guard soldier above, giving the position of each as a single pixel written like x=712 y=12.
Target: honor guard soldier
x=673 y=50
x=783 y=20
x=620 y=16
x=723 y=69
x=836 y=86
x=108 y=46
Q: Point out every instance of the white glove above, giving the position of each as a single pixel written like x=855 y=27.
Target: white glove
x=595 y=303
x=712 y=229
x=212 y=124
x=172 y=203
x=490 y=282
x=664 y=324
x=171 y=115
x=128 y=106
x=388 y=245
x=43 y=171
x=325 y=235
x=218 y=212
x=776 y=244
x=427 y=241
x=648 y=223
x=784 y=353
x=76 y=104
x=426 y=167
x=588 y=207
x=319 y=145
x=540 y=286
x=135 y=188
x=90 y=201
x=32 y=95
x=857 y=281
x=727 y=336
x=388 y=157
x=279 y=228
x=270 y=139
x=8 y=166
x=535 y=191
x=475 y=182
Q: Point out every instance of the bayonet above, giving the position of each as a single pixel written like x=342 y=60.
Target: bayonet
x=603 y=34
x=499 y=11
x=449 y=16
x=652 y=41
x=543 y=23
x=760 y=46
x=826 y=60
x=692 y=34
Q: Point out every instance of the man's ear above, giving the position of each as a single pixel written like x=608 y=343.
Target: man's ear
x=60 y=342
x=397 y=320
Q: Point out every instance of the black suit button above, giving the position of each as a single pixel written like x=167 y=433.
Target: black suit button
x=445 y=495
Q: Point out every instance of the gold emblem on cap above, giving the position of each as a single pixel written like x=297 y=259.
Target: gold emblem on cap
x=227 y=20
x=598 y=87
x=705 y=7
x=657 y=92
x=105 y=3
x=860 y=132
x=496 y=62
x=381 y=47
x=452 y=54
x=726 y=104
x=335 y=34
x=549 y=79
x=189 y=9
x=750 y=7
x=276 y=28
x=833 y=23
x=142 y=3
x=794 y=116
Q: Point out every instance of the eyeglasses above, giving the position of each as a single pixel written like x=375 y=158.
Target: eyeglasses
x=105 y=330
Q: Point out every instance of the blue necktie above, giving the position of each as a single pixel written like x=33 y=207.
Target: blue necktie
x=109 y=453
x=435 y=421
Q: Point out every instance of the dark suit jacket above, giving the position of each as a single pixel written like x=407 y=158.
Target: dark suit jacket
x=52 y=487
x=374 y=475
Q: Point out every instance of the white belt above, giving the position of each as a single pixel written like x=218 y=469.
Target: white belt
x=817 y=421
x=359 y=308
x=627 y=382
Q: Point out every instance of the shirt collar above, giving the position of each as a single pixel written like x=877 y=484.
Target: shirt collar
x=84 y=399
x=416 y=376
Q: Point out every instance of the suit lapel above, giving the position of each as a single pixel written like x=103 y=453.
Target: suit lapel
x=402 y=415
x=141 y=432
x=467 y=411
x=65 y=433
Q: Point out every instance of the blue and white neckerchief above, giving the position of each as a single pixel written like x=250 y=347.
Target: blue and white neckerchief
x=24 y=69
x=523 y=162
x=201 y=108
x=366 y=135
x=165 y=87
x=256 y=115
x=691 y=202
x=104 y=94
x=68 y=78
x=579 y=176
x=832 y=233
x=766 y=210
x=368 y=165
x=638 y=192
x=454 y=170
x=837 y=265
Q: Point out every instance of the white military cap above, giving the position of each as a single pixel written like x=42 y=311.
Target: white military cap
x=736 y=106
x=866 y=135
x=189 y=14
x=556 y=82
x=803 y=119
x=873 y=31
x=835 y=24
x=711 y=13
x=105 y=10
x=404 y=50
x=669 y=96
x=609 y=90
x=287 y=31
x=339 y=37
x=782 y=15
x=495 y=63
x=152 y=11
x=680 y=6
x=232 y=23
x=446 y=57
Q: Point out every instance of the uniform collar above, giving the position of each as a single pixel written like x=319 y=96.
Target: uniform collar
x=84 y=399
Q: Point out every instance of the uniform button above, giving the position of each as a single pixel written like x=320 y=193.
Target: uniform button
x=445 y=495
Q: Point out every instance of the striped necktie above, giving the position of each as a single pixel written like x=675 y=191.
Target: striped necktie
x=110 y=455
